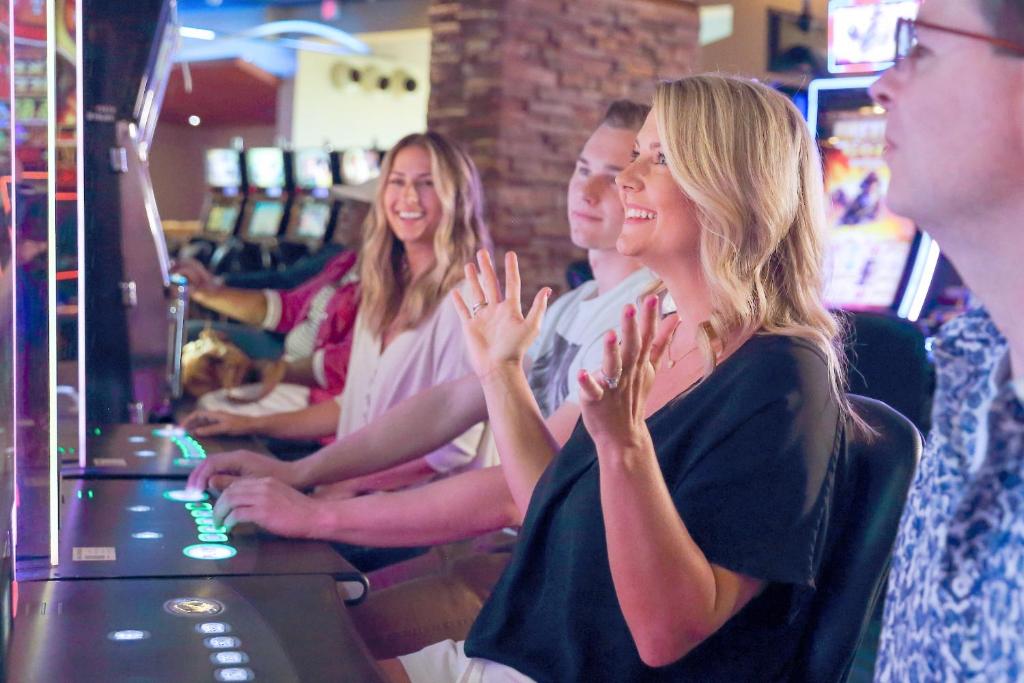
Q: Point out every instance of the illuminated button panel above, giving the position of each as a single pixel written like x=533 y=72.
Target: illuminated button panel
x=225 y=654
x=191 y=451
x=213 y=539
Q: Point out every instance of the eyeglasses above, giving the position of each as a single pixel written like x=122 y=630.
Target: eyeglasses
x=906 y=37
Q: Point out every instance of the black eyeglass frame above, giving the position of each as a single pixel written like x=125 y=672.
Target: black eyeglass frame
x=906 y=37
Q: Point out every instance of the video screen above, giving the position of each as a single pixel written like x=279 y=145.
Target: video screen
x=223 y=168
x=221 y=220
x=266 y=219
x=265 y=166
x=313 y=220
x=359 y=166
x=312 y=169
x=862 y=33
x=869 y=246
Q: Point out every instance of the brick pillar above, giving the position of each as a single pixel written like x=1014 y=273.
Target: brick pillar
x=523 y=82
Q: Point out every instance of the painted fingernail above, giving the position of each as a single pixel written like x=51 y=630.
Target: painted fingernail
x=610 y=338
x=651 y=302
x=630 y=311
x=582 y=375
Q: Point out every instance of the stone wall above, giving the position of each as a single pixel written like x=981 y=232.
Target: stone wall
x=523 y=82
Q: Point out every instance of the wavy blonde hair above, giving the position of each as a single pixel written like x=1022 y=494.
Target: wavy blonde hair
x=743 y=155
x=389 y=293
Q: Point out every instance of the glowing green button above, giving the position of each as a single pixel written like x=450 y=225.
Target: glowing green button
x=213 y=538
x=210 y=529
x=209 y=551
x=198 y=506
x=97 y=431
x=186 y=496
x=202 y=514
x=185 y=462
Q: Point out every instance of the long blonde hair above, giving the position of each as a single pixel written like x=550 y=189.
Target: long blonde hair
x=743 y=154
x=389 y=293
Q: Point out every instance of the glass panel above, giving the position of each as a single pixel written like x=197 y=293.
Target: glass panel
x=6 y=338
x=34 y=264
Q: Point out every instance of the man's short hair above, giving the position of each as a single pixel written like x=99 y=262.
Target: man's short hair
x=626 y=115
x=1005 y=18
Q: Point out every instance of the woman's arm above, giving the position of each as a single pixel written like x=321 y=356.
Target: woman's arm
x=245 y=305
x=451 y=509
x=497 y=337
x=671 y=596
x=314 y=422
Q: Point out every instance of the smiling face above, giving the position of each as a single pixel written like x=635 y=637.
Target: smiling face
x=661 y=223
x=955 y=133
x=411 y=203
x=595 y=212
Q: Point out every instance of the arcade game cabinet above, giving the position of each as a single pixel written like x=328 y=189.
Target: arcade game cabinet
x=222 y=207
x=880 y=267
x=311 y=219
x=266 y=209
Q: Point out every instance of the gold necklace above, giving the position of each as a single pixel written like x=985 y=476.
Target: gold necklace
x=668 y=350
x=704 y=327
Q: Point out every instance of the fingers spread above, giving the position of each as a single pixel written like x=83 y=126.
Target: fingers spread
x=630 y=337
x=590 y=390
x=611 y=363
x=513 y=285
x=489 y=277
x=473 y=276
x=539 y=306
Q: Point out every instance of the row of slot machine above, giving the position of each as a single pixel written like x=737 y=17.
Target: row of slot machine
x=111 y=570
x=877 y=262
x=140 y=583
x=277 y=203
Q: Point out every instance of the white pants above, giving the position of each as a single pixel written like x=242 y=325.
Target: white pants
x=284 y=398
x=446 y=662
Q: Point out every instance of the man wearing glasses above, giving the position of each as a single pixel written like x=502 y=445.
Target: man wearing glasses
x=955 y=143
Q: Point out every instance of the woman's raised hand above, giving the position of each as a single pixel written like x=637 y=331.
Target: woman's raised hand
x=496 y=331
x=614 y=401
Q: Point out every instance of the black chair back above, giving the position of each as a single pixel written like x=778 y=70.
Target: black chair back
x=871 y=489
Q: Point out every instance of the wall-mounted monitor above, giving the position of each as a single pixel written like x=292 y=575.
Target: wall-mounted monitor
x=862 y=33
x=223 y=168
x=265 y=167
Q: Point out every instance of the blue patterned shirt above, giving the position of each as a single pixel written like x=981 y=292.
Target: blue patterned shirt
x=955 y=605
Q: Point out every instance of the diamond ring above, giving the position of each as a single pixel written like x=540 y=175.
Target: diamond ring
x=612 y=382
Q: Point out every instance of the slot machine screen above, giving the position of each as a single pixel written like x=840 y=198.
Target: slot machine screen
x=221 y=220
x=312 y=169
x=359 y=165
x=265 y=166
x=861 y=33
x=266 y=219
x=869 y=247
x=313 y=219
x=223 y=168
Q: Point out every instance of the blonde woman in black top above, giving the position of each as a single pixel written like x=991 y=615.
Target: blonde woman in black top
x=678 y=533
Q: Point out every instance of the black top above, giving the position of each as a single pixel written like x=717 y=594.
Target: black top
x=749 y=457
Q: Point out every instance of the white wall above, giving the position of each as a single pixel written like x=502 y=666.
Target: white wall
x=350 y=116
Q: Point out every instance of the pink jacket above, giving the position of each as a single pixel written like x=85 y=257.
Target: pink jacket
x=333 y=345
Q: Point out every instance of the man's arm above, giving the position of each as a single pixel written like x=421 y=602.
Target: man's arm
x=314 y=422
x=416 y=426
x=451 y=509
